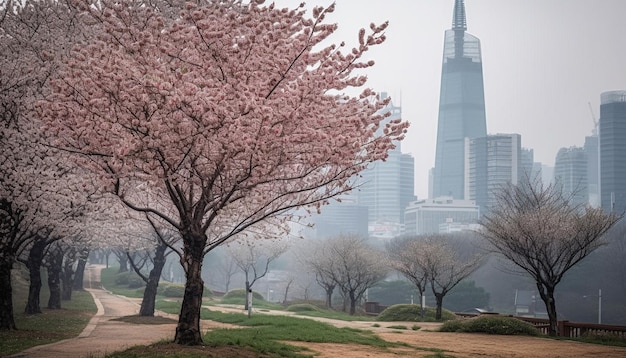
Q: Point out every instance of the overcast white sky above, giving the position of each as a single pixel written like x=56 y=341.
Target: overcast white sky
x=544 y=62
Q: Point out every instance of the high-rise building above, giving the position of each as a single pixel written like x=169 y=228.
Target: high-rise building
x=337 y=218
x=440 y=215
x=386 y=188
x=612 y=142
x=461 y=105
x=593 y=173
x=491 y=162
x=570 y=172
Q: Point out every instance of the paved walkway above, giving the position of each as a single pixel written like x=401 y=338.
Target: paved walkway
x=103 y=335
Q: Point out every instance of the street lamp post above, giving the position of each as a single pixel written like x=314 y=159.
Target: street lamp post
x=599 y=304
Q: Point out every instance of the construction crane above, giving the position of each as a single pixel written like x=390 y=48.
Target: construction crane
x=595 y=121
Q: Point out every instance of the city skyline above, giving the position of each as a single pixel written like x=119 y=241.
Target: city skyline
x=544 y=64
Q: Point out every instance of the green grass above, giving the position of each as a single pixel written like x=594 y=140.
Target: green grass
x=50 y=325
x=265 y=331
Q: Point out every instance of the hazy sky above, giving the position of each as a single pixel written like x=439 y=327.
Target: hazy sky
x=544 y=62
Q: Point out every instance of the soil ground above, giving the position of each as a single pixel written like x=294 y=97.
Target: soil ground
x=105 y=333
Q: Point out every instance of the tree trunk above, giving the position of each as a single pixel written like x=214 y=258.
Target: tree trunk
x=35 y=258
x=547 y=296
x=439 y=300
x=329 y=296
x=287 y=292
x=246 y=305
x=54 y=278
x=79 y=276
x=188 y=329
x=353 y=300
x=7 y=321
x=68 y=280
x=123 y=260
x=149 y=294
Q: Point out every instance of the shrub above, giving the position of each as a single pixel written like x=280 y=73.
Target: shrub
x=491 y=325
x=174 y=291
x=130 y=279
x=408 y=312
x=302 y=307
x=238 y=296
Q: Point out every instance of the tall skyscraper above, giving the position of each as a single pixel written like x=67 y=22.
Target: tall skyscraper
x=461 y=105
x=386 y=188
x=570 y=172
x=491 y=162
x=593 y=173
x=612 y=139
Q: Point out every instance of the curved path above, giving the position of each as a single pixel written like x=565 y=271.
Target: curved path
x=103 y=335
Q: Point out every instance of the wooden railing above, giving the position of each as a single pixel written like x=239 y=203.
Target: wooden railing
x=565 y=328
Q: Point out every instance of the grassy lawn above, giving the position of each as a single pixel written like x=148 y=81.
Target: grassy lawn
x=49 y=326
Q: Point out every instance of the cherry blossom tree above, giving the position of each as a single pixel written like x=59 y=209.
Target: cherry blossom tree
x=34 y=198
x=539 y=230
x=232 y=113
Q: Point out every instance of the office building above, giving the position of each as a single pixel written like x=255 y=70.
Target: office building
x=491 y=163
x=593 y=167
x=570 y=173
x=440 y=215
x=386 y=188
x=461 y=105
x=340 y=218
x=612 y=143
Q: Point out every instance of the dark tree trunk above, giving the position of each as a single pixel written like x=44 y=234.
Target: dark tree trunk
x=287 y=292
x=547 y=296
x=79 y=276
x=35 y=259
x=329 y=296
x=353 y=299
x=123 y=261
x=68 y=280
x=188 y=329
x=149 y=294
x=55 y=267
x=439 y=300
x=7 y=321
x=246 y=306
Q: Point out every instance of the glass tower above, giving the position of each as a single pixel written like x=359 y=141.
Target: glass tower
x=612 y=140
x=461 y=105
x=570 y=172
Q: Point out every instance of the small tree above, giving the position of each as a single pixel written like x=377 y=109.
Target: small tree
x=538 y=229
x=436 y=260
x=254 y=260
x=404 y=255
x=354 y=266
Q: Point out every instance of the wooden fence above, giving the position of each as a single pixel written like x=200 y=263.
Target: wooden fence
x=565 y=328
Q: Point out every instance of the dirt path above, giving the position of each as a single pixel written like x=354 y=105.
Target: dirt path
x=105 y=335
x=460 y=345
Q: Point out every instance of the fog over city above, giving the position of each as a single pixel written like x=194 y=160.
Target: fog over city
x=544 y=64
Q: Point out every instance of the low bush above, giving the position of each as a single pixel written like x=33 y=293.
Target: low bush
x=174 y=291
x=408 y=312
x=302 y=307
x=491 y=325
x=129 y=279
x=238 y=297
